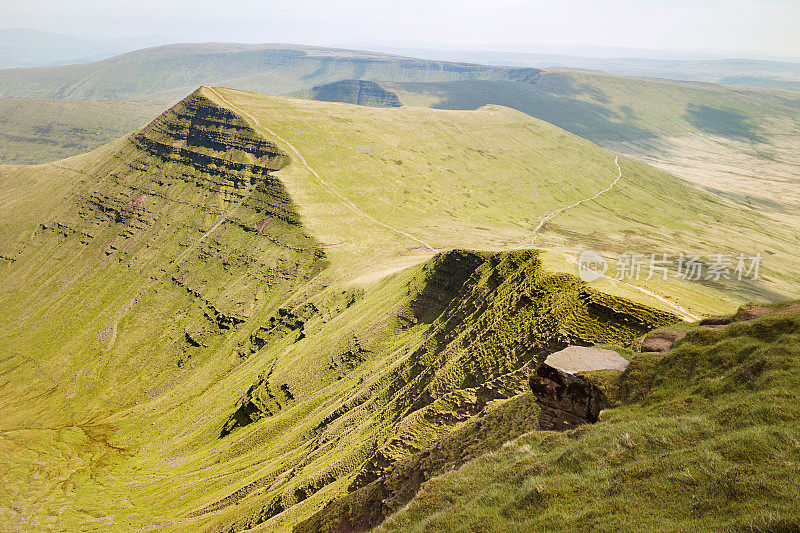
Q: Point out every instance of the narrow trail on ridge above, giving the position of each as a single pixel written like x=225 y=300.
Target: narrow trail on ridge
x=579 y=202
x=344 y=199
x=683 y=313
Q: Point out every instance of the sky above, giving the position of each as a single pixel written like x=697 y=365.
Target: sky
x=766 y=26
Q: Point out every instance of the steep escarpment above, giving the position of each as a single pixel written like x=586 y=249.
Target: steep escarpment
x=201 y=133
x=181 y=220
x=701 y=424
x=358 y=92
x=706 y=437
x=461 y=337
x=272 y=69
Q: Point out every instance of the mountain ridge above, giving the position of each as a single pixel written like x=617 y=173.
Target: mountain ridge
x=222 y=345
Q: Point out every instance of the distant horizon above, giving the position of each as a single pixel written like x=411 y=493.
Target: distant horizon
x=586 y=50
x=736 y=28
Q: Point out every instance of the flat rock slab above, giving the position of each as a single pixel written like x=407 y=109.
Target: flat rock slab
x=662 y=341
x=576 y=359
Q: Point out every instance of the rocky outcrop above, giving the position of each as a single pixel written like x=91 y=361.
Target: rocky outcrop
x=567 y=399
x=574 y=359
x=260 y=400
x=213 y=139
x=661 y=341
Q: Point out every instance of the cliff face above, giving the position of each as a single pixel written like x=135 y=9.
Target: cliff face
x=199 y=132
x=436 y=408
x=359 y=92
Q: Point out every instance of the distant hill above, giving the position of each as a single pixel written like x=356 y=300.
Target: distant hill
x=739 y=142
x=170 y=71
x=359 y=92
x=772 y=74
x=24 y=47
x=36 y=130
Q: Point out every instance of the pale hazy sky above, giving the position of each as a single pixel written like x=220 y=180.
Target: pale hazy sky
x=767 y=25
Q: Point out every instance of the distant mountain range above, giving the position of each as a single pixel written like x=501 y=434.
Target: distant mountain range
x=730 y=71
x=24 y=47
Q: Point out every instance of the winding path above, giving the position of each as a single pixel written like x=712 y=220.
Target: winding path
x=682 y=312
x=344 y=199
x=579 y=202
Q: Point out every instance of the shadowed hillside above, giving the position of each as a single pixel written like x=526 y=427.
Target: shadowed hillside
x=352 y=92
x=737 y=142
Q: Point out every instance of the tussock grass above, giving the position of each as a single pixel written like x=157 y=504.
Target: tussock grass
x=709 y=441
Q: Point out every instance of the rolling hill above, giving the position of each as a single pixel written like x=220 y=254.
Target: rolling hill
x=739 y=143
x=735 y=141
x=170 y=71
x=256 y=305
x=34 y=130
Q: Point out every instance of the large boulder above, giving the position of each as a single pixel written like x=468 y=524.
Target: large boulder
x=567 y=399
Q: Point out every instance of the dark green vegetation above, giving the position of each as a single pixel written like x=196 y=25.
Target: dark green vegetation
x=36 y=130
x=199 y=332
x=707 y=438
x=730 y=124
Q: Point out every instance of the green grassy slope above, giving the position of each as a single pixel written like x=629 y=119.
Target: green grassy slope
x=451 y=187
x=199 y=333
x=707 y=439
x=738 y=142
x=34 y=131
x=735 y=141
